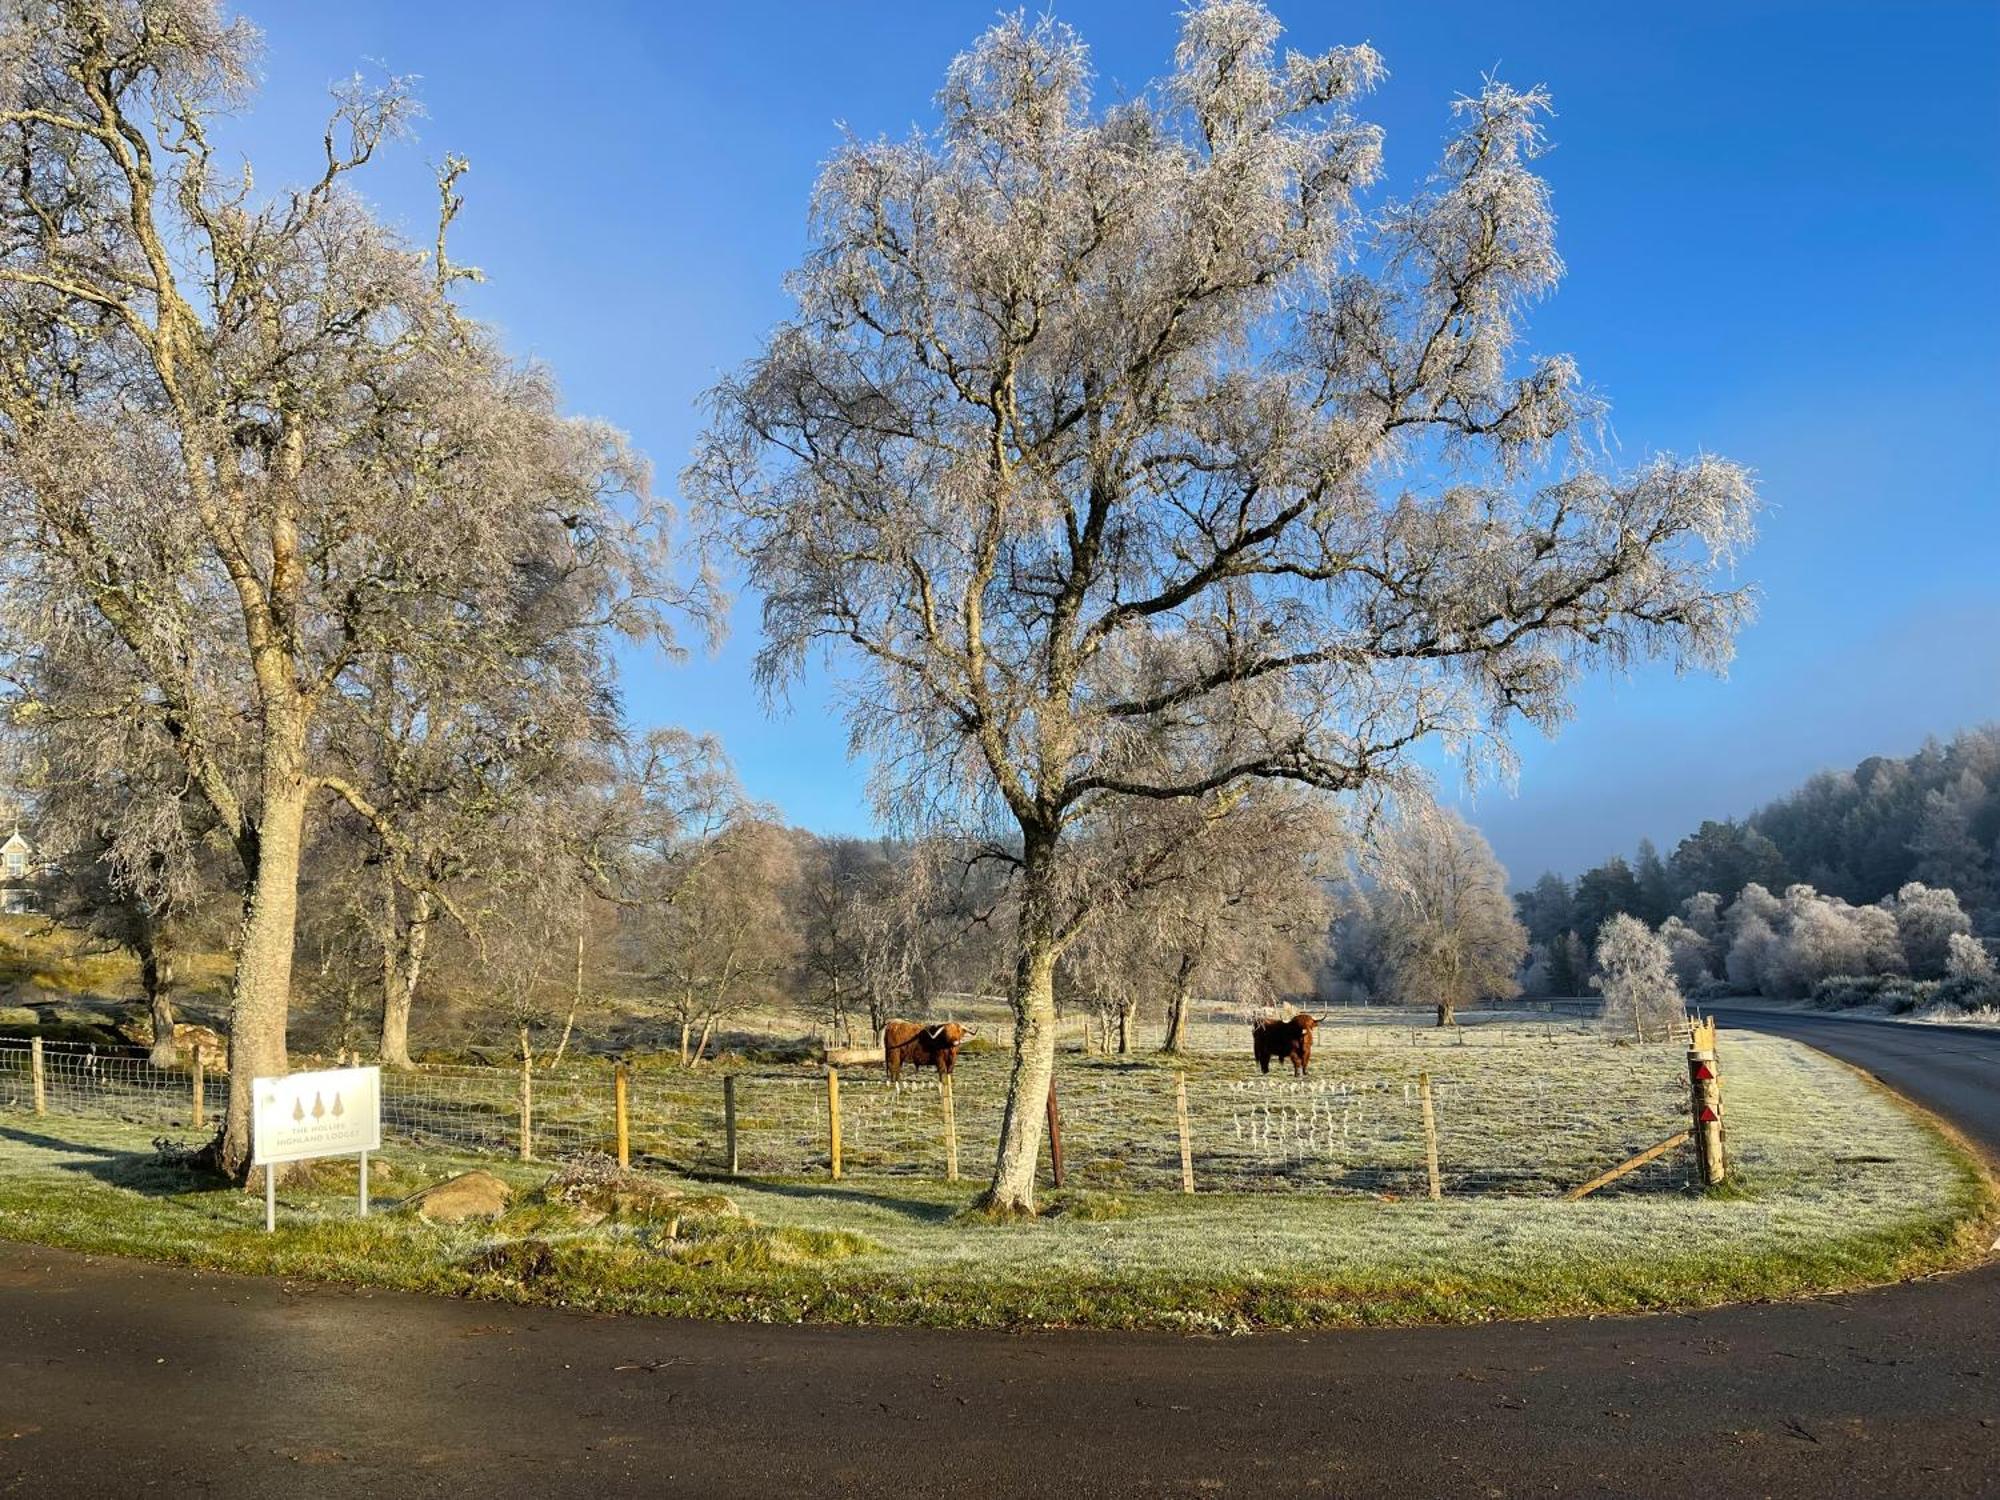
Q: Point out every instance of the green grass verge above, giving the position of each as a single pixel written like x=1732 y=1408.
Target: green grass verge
x=1838 y=1186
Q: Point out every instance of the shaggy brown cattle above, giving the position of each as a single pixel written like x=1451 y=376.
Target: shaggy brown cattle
x=921 y=1045
x=1285 y=1041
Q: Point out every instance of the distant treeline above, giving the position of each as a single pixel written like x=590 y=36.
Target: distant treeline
x=1859 y=836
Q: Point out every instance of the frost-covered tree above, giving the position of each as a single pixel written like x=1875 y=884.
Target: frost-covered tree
x=1447 y=928
x=1703 y=913
x=249 y=445
x=1635 y=975
x=1966 y=958
x=1692 y=955
x=1926 y=920
x=1131 y=456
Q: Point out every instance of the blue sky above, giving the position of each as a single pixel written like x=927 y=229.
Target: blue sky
x=1781 y=221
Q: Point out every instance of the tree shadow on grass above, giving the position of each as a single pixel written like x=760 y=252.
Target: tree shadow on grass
x=916 y=1209
x=137 y=1171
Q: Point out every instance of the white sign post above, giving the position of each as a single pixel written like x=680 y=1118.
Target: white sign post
x=335 y=1112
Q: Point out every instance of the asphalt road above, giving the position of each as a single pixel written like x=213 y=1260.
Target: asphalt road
x=122 y=1379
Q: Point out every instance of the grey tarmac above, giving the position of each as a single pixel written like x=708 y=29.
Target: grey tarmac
x=118 y=1378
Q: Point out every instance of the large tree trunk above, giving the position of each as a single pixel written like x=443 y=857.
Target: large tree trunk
x=1124 y=1030
x=1447 y=1015
x=260 y=999
x=156 y=974
x=1034 y=998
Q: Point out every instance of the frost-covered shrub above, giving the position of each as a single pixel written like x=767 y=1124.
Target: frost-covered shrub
x=1926 y=918
x=1966 y=958
x=1893 y=992
x=1968 y=992
x=1785 y=948
x=1754 y=955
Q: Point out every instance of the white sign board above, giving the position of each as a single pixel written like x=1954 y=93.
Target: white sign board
x=332 y=1113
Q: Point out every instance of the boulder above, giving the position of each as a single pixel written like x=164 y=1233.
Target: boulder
x=470 y=1195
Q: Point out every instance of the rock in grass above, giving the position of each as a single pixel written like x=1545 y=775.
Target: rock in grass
x=470 y=1195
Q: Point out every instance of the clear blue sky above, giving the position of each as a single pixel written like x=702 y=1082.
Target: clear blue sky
x=1782 y=223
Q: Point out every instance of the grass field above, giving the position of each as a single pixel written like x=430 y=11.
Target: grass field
x=1521 y=1108
x=1837 y=1186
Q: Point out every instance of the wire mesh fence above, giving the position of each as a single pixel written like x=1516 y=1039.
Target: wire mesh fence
x=74 y=1078
x=1512 y=1114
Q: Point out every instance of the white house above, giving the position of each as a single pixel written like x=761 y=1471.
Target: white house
x=17 y=863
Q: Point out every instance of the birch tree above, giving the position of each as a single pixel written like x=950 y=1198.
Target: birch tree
x=249 y=444
x=1135 y=453
x=1635 y=975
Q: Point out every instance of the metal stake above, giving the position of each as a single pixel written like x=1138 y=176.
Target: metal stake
x=270 y=1198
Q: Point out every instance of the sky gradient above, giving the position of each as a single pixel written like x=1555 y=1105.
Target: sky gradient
x=1781 y=223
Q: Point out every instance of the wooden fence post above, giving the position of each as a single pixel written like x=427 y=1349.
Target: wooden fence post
x=1187 y=1141
x=1430 y=1136
x=833 y=1120
x=729 y=1123
x=200 y=1085
x=621 y=1109
x=950 y=1128
x=37 y=1079
x=527 y=1109
x=1705 y=1099
x=1055 y=1134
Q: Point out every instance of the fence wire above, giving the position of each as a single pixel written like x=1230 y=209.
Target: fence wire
x=1529 y=1121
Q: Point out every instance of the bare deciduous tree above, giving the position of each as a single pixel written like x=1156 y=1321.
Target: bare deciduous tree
x=249 y=445
x=1132 y=459
x=1447 y=928
x=1231 y=895
x=726 y=939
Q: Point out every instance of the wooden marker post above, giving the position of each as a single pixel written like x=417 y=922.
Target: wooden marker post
x=200 y=1107
x=1430 y=1135
x=527 y=1109
x=729 y=1123
x=1055 y=1134
x=1705 y=1100
x=1187 y=1141
x=833 y=1120
x=38 y=1083
x=950 y=1128
x=621 y=1112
